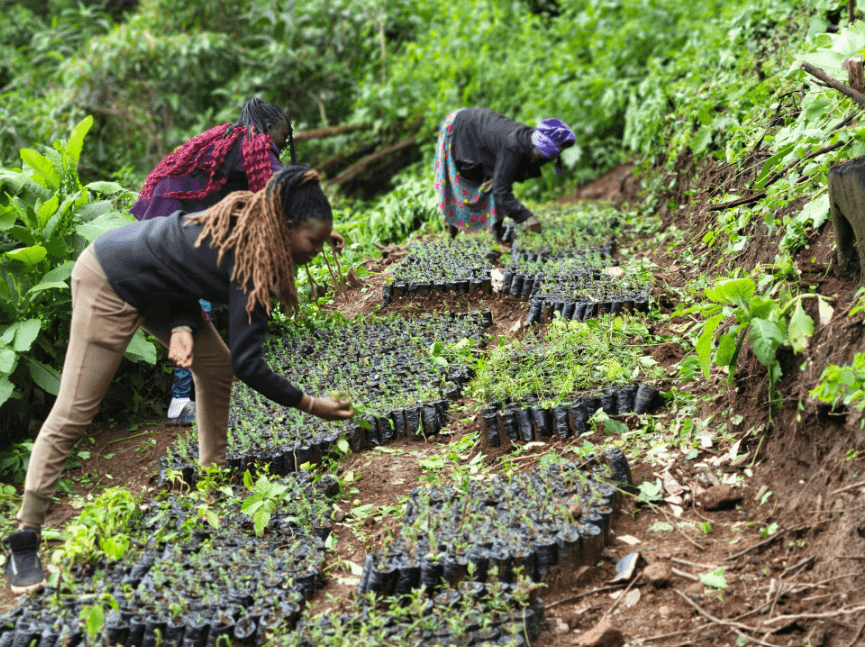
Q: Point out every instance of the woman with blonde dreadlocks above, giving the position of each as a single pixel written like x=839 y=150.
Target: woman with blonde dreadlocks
x=151 y=274
x=232 y=157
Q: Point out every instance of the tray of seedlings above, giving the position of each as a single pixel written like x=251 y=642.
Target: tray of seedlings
x=569 y=231
x=461 y=265
x=385 y=366
x=547 y=386
x=454 y=539
x=196 y=573
x=475 y=613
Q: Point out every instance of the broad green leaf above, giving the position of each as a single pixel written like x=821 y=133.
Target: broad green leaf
x=47 y=210
x=25 y=334
x=12 y=182
x=93 y=210
x=59 y=273
x=800 y=329
x=47 y=285
x=8 y=217
x=6 y=389
x=704 y=343
x=29 y=255
x=737 y=291
x=761 y=307
x=715 y=579
x=765 y=337
x=105 y=188
x=76 y=140
x=8 y=360
x=815 y=212
x=106 y=222
x=726 y=350
x=247 y=480
x=45 y=376
x=43 y=166
x=701 y=141
x=140 y=349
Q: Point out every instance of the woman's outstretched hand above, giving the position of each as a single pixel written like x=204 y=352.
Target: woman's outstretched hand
x=336 y=241
x=326 y=408
x=180 y=349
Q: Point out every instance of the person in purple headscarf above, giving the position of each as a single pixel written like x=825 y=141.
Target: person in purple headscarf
x=480 y=154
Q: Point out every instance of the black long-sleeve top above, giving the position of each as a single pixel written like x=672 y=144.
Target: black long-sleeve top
x=154 y=266
x=487 y=145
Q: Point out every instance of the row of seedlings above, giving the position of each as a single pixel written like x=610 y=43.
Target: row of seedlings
x=548 y=385
x=462 y=266
x=191 y=580
x=562 y=268
x=454 y=541
x=385 y=366
x=494 y=613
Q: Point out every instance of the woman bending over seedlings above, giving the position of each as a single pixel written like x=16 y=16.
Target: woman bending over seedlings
x=232 y=157
x=151 y=274
x=479 y=156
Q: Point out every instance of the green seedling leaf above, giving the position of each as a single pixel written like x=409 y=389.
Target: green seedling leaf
x=800 y=329
x=706 y=527
x=661 y=526
x=737 y=291
x=650 y=491
x=715 y=579
x=95 y=621
x=342 y=445
x=704 y=343
x=769 y=530
x=766 y=337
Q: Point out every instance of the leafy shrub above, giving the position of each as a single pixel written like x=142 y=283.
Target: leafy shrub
x=47 y=218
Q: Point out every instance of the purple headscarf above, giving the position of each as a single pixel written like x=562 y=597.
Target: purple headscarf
x=551 y=136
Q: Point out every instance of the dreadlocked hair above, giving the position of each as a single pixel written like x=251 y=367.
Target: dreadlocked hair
x=208 y=151
x=260 y=236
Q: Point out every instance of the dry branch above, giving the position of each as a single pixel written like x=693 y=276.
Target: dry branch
x=324 y=133
x=735 y=626
x=817 y=616
x=834 y=83
x=359 y=167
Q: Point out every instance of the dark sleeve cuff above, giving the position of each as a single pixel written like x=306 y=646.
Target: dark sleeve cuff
x=187 y=314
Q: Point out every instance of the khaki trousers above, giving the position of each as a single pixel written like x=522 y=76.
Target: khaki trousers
x=102 y=327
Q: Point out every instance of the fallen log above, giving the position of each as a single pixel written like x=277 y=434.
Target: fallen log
x=324 y=133
x=361 y=166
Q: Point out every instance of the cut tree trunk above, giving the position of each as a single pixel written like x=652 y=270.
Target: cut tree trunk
x=855 y=77
x=847 y=206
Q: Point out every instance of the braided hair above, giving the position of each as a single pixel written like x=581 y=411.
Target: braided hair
x=260 y=237
x=256 y=119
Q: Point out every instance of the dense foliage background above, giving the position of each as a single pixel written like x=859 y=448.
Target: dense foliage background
x=648 y=78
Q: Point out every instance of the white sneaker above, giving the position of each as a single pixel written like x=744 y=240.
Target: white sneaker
x=176 y=407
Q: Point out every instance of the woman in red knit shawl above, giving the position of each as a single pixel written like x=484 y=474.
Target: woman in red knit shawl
x=232 y=157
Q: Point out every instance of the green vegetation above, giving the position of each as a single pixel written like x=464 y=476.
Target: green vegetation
x=572 y=357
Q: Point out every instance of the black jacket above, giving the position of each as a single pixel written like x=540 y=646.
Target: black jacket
x=487 y=145
x=155 y=267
